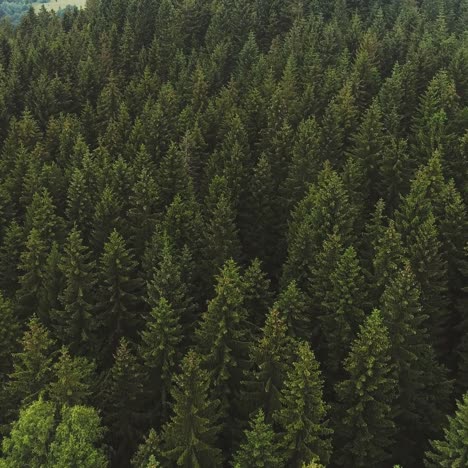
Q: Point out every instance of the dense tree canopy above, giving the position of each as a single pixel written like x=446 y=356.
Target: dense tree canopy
x=234 y=233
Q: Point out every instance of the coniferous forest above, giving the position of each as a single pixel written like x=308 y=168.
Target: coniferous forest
x=234 y=233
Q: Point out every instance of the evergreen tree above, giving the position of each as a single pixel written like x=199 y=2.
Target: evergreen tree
x=221 y=235
x=32 y=366
x=118 y=305
x=10 y=332
x=260 y=448
x=344 y=305
x=257 y=295
x=74 y=320
x=123 y=389
x=324 y=211
x=271 y=356
x=148 y=450
x=451 y=451
x=223 y=337
x=364 y=425
x=296 y=310
x=72 y=383
x=423 y=385
x=190 y=436
x=160 y=351
x=32 y=263
x=304 y=432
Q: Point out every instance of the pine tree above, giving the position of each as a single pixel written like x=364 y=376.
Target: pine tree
x=305 y=163
x=221 y=237
x=10 y=253
x=367 y=148
x=148 y=449
x=430 y=269
x=74 y=320
x=10 y=333
x=32 y=366
x=423 y=385
x=257 y=296
x=190 y=437
x=271 y=357
x=160 y=351
x=324 y=211
x=364 y=424
x=451 y=451
x=72 y=383
x=123 y=391
x=118 y=304
x=388 y=259
x=107 y=217
x=169 y=280
x=259 y=226
x=344 y=304
x=296 y=310
x=223 y=337
x=32 y=263
x=260 y=448
x=304 y=433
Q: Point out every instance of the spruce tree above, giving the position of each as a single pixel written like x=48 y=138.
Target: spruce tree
x=224 y=336
x=451 y=450
x=190 y=437
x=271 y=357
x=221 y=236
x=344 y=305
x=122 y=401
x=423 y=385
x=260 y=448
x=160 y=351
x=364 y=425
x=304 y=431
x=10 y=332
x=74 y=320
x=118 y=304
x=295 y=308
x=257 y=296
x=32 y=366
x=72 y=383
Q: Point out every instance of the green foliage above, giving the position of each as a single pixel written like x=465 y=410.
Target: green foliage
x=451 y=451
x=260 y=448
x=27 y=444
x=190 y=436
x=76 y=438
x=304 y=434
x=364 y=425
x=235 y=178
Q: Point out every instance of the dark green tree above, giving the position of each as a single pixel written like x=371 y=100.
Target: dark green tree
x=304 y=431
x=190 y=437
x=364 y=425
x=72 y=383
x=160 y=351
x=118 y=305
x=74 y=320
x=122 y=401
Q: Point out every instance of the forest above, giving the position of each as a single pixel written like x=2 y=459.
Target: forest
x=234 y=233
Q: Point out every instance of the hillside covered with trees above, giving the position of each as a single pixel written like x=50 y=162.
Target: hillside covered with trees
x=235 y=233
